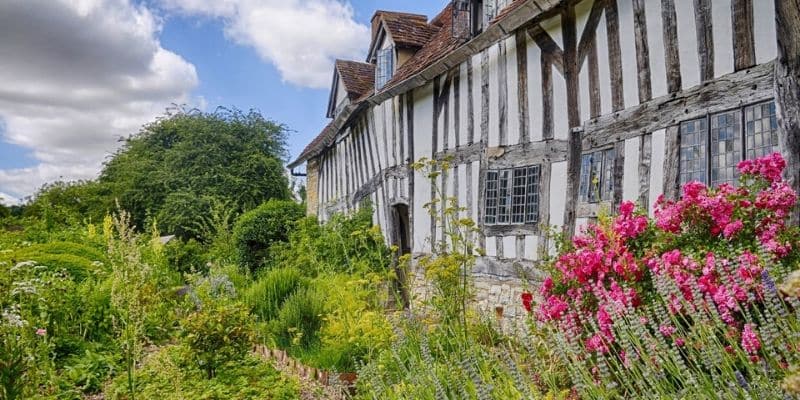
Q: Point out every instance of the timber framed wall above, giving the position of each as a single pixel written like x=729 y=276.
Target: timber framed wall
x=617 y=76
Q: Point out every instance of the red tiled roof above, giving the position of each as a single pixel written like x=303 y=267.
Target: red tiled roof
x=441 y=43
x=319 y=142
x=358 y=78
x=407 y=30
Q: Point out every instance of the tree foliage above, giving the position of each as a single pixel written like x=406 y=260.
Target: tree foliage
x=175 y=167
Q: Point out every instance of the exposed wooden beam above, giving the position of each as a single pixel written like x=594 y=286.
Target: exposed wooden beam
x=732 y=90
x=744 y=49
x=614 y=56
x=642 y=50
x=705 y=38
x=522 y=85
x=550 y=49
x=671 y=48
x=590 y=30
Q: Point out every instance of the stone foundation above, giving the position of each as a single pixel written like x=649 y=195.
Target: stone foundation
x=498 y=286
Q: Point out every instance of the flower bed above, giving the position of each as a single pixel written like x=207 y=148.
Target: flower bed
x=682 y=302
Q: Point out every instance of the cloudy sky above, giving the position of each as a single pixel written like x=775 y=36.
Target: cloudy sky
x=77 y=75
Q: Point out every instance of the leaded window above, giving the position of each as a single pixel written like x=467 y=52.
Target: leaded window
x=512 y=196
x=597 y=176
x=384 y=67
x=712 y=146
x=761 y=130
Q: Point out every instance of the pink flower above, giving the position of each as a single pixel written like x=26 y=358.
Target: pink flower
x=750 y=342
x=666 y=330
x=732 y=228
x=41 y=332
x=679 y=342
x=768 y=167
x=596 y=343
x=547 y=286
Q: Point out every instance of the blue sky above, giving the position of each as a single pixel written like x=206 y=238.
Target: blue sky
x=113 y=65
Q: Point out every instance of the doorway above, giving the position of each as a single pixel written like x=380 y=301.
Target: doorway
x=402 y=239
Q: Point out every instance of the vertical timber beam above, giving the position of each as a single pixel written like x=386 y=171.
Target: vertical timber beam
x=642 y=50
x=671 y=49
x=744 y=49
x=522 y=84
x=573 y=117
x=787 y=89
x=705 y=38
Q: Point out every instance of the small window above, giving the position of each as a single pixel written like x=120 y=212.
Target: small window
x=384 y=67
x=597 y=176
x=712 y=146
x=512 y=196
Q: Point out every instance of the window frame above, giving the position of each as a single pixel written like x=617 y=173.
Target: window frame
x=511 y=196
x=384 y=66
x=740 y=122
x=604 y=168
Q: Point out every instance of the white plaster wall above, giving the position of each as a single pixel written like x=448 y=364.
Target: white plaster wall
x=534 y=91
x=604 y=72
x=531 y=247
x=510 y=247
x=560 y=121
x=655 y=43
x=687 y=42
x=764 y=32
x=723 y=36
x=627 y=42
x=512 y=83
x=583 y=89
x=558 y=193
x=630 y=183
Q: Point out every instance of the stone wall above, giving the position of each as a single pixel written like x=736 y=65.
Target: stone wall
x=312 y=186
x=498 y=286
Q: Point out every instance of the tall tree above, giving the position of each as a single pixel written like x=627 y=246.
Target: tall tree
x=175 y=167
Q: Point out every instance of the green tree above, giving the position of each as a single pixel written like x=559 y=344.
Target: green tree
x=61 y=203
x=175 y=168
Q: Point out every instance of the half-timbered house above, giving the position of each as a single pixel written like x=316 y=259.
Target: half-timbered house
x=551 y=111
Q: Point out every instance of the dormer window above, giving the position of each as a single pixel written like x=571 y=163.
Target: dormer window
x=384 y=67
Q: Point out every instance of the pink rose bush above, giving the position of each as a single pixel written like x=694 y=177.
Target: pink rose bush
x=709 y=256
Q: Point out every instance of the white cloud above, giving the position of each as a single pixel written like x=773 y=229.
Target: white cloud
x=301 y=38
x=8 y=200
x=76 y=76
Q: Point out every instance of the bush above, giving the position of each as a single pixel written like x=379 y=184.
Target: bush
x=672 y=307
x=267 y=294
x=165 y=376
x=350 y=244
x=185 y=256
x=218 y=333
x=256 y=230
x=300 y=319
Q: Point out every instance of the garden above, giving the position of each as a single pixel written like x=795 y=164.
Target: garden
x=700 y=301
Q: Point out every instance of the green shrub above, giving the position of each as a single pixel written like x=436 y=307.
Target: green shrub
x=218 y=333
x=256 y=230
x=300 y=319
x=186 y=256
x=349 y=244
x=88 y=371
x=267 y=294
x=165 y=376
